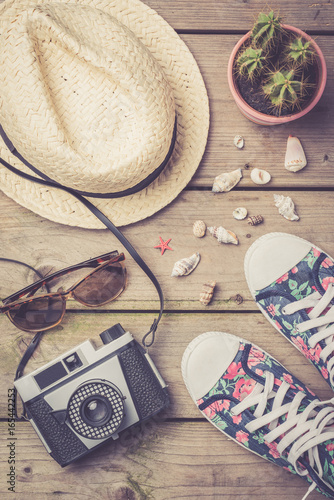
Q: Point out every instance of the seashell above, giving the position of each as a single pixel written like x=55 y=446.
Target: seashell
x=227 y=181
x=238 y=141
x=240 y=213
x=223 y=235
x=260 y=176
x=207 y=293
x=295 y=158
x=254 y=220
x=199 y=228
x=186 y=266
x=285 y=206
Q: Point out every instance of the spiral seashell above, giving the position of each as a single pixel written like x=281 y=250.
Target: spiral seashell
x=223 y=235
x=260 y=176
x=240 y=213
x=225 y=182
x=239 y=142
x=185 y=266
x=295 y=158
x=254 y=220
x=199 y=228
x=285 y=206
x=207 y=292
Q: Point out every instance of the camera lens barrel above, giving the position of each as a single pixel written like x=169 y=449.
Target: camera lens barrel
x=96 y=410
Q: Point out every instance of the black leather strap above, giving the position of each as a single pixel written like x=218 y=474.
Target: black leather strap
x=20 y=369
x=46 y=181
x=114 y=230
x=119 y=194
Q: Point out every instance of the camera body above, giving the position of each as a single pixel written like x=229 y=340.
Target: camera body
x=89 y=395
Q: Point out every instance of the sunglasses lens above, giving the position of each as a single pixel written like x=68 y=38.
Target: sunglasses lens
x=102 y=286
x=37 y=314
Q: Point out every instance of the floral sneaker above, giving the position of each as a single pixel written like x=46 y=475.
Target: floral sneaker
x=292 y=282
x=253 y=399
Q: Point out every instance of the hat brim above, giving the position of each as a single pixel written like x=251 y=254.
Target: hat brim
x=192 y=108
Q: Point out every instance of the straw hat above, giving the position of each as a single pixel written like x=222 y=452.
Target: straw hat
x=90 y=94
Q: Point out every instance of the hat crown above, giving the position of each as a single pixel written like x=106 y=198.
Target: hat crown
x=98 y=112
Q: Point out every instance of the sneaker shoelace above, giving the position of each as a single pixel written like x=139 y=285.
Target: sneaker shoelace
x=318 y=303
x=302 y=431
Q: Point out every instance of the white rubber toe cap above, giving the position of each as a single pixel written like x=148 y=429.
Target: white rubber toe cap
x=271 y=256
x=206 y=359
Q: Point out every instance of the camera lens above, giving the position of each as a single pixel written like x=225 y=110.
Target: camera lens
x=96 y=410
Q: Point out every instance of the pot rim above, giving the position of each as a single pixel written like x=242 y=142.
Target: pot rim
x=322 y=78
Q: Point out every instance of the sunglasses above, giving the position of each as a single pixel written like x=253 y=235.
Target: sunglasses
x=104 y=282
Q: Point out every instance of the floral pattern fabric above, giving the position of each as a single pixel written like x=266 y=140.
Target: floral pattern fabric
x=313 y=273
x=248 y=369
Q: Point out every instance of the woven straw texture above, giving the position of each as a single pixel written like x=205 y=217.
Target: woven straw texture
x=93 y=108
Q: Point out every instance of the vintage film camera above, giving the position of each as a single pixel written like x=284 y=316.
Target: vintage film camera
x=88 y=396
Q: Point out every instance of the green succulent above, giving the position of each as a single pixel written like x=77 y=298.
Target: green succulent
x=266 y=29
x=250 y=62
x=300 y=51
x=284 y=89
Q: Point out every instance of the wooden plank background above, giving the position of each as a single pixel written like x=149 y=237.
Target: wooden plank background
x=239 y=15
x=180 y=455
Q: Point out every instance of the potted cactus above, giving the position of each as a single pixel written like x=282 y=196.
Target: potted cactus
x=276 y=72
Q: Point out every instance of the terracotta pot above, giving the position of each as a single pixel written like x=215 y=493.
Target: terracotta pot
x=262 y=118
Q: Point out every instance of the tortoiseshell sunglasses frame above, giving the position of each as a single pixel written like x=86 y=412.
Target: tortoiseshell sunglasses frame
x=97 y=263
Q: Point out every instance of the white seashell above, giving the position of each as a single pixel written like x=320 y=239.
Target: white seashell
x=223 y=235
x=207 y=292
x=186 y=266
x=240 y=213
x=227 y=181
x=260 y=176
x=199 y=228
x=285 y=206
x=238 y=141
x=295 y=158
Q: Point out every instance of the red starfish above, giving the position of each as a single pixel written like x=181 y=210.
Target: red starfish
x=163 y=245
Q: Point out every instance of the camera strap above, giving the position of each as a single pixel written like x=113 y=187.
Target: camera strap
x=120 y=236
x=109 y=225
x=35 y=341
x=149 y=338
x=20 y=369
x=81 y=196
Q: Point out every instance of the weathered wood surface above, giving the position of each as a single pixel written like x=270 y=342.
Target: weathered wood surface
x=49 y=247
x=180 y=455
x=229 y=15
x=166 y=461
x=174 y=334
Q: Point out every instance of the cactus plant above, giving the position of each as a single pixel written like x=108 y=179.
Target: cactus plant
x=266 y=29
x=250 y=62
x=300 y=51
x=284 y=89
x=276 y=66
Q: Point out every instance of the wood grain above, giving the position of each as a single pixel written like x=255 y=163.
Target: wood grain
x=174 y=334
x=167 y=461
x=206 y=15
x=49 y=247
x=179 y=455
